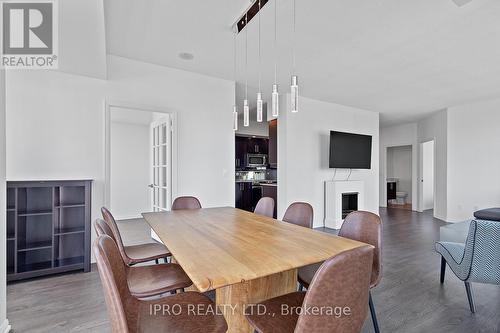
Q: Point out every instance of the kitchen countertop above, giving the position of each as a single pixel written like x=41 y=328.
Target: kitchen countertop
x=261 y=182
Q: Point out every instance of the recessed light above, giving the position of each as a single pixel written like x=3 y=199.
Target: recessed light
x=186 y=56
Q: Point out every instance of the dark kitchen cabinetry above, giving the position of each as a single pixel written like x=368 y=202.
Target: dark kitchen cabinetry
x=273 y=143
x=243 y=192
x=271 y=191
x=391 y=190
x=248 y=145
x=48 y=227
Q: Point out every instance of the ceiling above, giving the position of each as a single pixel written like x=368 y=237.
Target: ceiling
x=402 y=58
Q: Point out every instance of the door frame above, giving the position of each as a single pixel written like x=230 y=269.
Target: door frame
x=421 y=175
x=108 y=104
x=414 y=174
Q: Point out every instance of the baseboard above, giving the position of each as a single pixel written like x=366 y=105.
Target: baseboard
x=5 y=327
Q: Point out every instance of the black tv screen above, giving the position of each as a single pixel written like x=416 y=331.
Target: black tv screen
x=350 y=151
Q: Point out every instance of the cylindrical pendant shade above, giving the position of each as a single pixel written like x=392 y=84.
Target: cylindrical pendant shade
x=259 y=107
x=294 y=92
x=275 y=101
x=246 y=113
x=235 y=118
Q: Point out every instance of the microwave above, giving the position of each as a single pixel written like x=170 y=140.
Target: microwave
x=256 y=161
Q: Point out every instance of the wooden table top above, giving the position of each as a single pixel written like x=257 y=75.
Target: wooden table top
x=217 y=247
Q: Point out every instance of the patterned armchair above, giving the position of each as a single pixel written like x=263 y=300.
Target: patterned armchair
x=478 y=260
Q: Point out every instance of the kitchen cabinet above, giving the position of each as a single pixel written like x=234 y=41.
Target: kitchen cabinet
x=271 y=191
x=243 y=191
x=248 y=145
x=273 y=143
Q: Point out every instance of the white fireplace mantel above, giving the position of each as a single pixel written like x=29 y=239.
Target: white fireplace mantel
x=333 y=199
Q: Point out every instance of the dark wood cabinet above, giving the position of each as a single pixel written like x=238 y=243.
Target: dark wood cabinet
x=248 y=145
x=273 y=143
x=243 y=192
x=48 y=227
x=271 y=191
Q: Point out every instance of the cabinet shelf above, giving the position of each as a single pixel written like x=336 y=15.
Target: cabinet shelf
x=34 y=266
x=35 y=213
x=48 y=227
x=69 y=231
x=35 y=246
x=71 y=206
x=69 y=261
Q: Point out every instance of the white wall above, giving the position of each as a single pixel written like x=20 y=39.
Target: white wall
x=473 y=158
x=254 y=128
x=303 y=152
x=56 y=125
x=428 y=175
x=4 y=324
x=394 y=136
x=130 y=169
x=399 y=165
x=435 y=127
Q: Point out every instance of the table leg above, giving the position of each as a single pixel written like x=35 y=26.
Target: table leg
x=239 y=295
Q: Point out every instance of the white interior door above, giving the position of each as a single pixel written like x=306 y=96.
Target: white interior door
x=161 y=161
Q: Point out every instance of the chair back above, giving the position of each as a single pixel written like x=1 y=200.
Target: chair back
x=366 y=227
x=110 y=221
x=186 y=203
x=485 y=252
x=265 y=207
x=339 y=289
x=120 y=303
x=102 y=228
x=299 y=213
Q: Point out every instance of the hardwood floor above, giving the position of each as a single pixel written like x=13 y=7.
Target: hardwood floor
x=409 y=298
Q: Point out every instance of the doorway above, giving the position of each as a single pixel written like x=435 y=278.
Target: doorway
x=399 y=179
x=427 y=179
x=139 y=161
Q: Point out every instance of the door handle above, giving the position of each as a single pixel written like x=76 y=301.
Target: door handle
x=151 y=185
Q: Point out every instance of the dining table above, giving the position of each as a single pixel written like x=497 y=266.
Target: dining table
x=244 y=257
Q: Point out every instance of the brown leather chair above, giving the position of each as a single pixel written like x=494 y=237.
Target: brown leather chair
x=265 y=207
x=128 y=314
x=299 y=213
x=341 y=285
x=186 y=203
x=134 y=254
x=148 y=281
x=365 y=227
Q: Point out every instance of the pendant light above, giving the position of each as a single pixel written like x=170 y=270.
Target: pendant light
x=246 y=110
x=275 y=94
x=235 y=107
x=259 y=94
x=294 y=87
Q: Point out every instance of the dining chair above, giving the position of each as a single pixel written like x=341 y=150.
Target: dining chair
x=365 y=227
x=186 y=203
x=134 y=254
x=335 y=302
x=152 y=280
x=265 y=207
x=128 y=314
x=299 y=213
x=477 y=260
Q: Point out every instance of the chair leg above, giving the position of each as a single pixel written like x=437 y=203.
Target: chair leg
x=301 y=287
x=443 y=269
x=374 y=315
x=470 y=297
x=156 y=261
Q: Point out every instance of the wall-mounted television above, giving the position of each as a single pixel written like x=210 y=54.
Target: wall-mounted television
x=350 y=151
